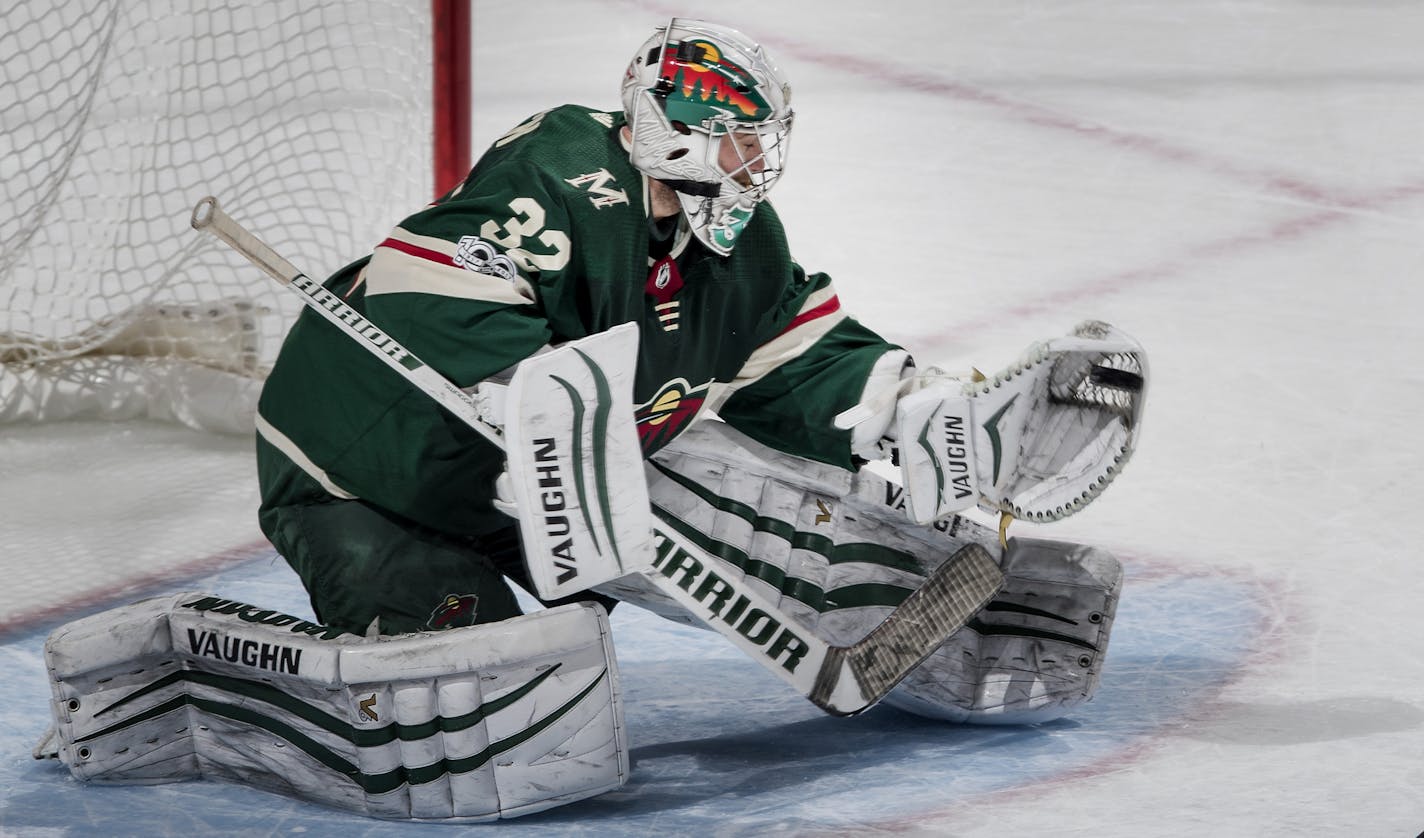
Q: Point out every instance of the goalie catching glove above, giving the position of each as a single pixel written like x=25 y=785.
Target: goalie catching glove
x=1038 y=441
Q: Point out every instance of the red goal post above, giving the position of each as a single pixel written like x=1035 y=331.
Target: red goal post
x=452 y=124
x=324 y=122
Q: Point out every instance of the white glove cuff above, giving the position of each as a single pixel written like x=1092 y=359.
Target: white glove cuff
x=869 y=421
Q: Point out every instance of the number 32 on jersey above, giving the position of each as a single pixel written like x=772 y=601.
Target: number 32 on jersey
x=526 y=223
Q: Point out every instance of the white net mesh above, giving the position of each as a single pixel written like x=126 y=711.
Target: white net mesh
x=309 y=121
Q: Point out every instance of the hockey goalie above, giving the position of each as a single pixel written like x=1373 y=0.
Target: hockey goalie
x=594 y=369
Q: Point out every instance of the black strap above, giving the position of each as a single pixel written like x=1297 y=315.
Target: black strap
x=695 y=187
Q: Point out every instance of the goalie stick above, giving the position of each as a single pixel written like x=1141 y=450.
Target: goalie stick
x=841 y=680
x=470 y=407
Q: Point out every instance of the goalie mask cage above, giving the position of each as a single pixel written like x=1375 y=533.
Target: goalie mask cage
x=315 y=119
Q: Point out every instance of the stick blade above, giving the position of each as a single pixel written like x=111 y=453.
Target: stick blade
x=853 y=678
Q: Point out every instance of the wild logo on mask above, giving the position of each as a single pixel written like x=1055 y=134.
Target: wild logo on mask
x=695 y=73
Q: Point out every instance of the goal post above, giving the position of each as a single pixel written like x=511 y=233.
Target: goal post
x=329 y=121
x=451 y=73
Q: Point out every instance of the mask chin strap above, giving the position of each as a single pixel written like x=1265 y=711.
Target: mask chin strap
x=695 y=188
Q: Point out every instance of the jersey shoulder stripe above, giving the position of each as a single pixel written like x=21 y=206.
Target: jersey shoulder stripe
x=819 y=314
x=817 y=306
x=410 y=263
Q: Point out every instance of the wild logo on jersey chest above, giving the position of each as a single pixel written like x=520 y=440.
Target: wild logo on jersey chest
x=664 y=283
x=668 y=412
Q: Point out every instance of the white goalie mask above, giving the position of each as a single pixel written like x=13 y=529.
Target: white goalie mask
x=710 y=116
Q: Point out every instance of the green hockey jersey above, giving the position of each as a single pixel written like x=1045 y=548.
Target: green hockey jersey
x=548 y=240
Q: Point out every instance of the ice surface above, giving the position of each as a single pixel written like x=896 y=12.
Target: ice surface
x=718 y=745
x=1238 y=185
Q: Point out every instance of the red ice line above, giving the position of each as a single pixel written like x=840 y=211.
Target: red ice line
x=1330 y=206
x=133 y=587
x=1273 y=635
x=898 y=77
x=1290 y=229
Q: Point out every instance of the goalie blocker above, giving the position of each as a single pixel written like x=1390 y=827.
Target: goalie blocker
x=469 y=724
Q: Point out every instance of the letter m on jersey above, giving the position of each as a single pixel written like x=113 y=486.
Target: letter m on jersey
x=601 y=188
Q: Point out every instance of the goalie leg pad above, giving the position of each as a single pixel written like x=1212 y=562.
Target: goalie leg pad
x=830 y=548
x=1034 y=652
x=835 y=551
x=470 y=724
x=774 y=520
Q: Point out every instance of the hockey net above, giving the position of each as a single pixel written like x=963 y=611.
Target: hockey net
x=313 y=120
